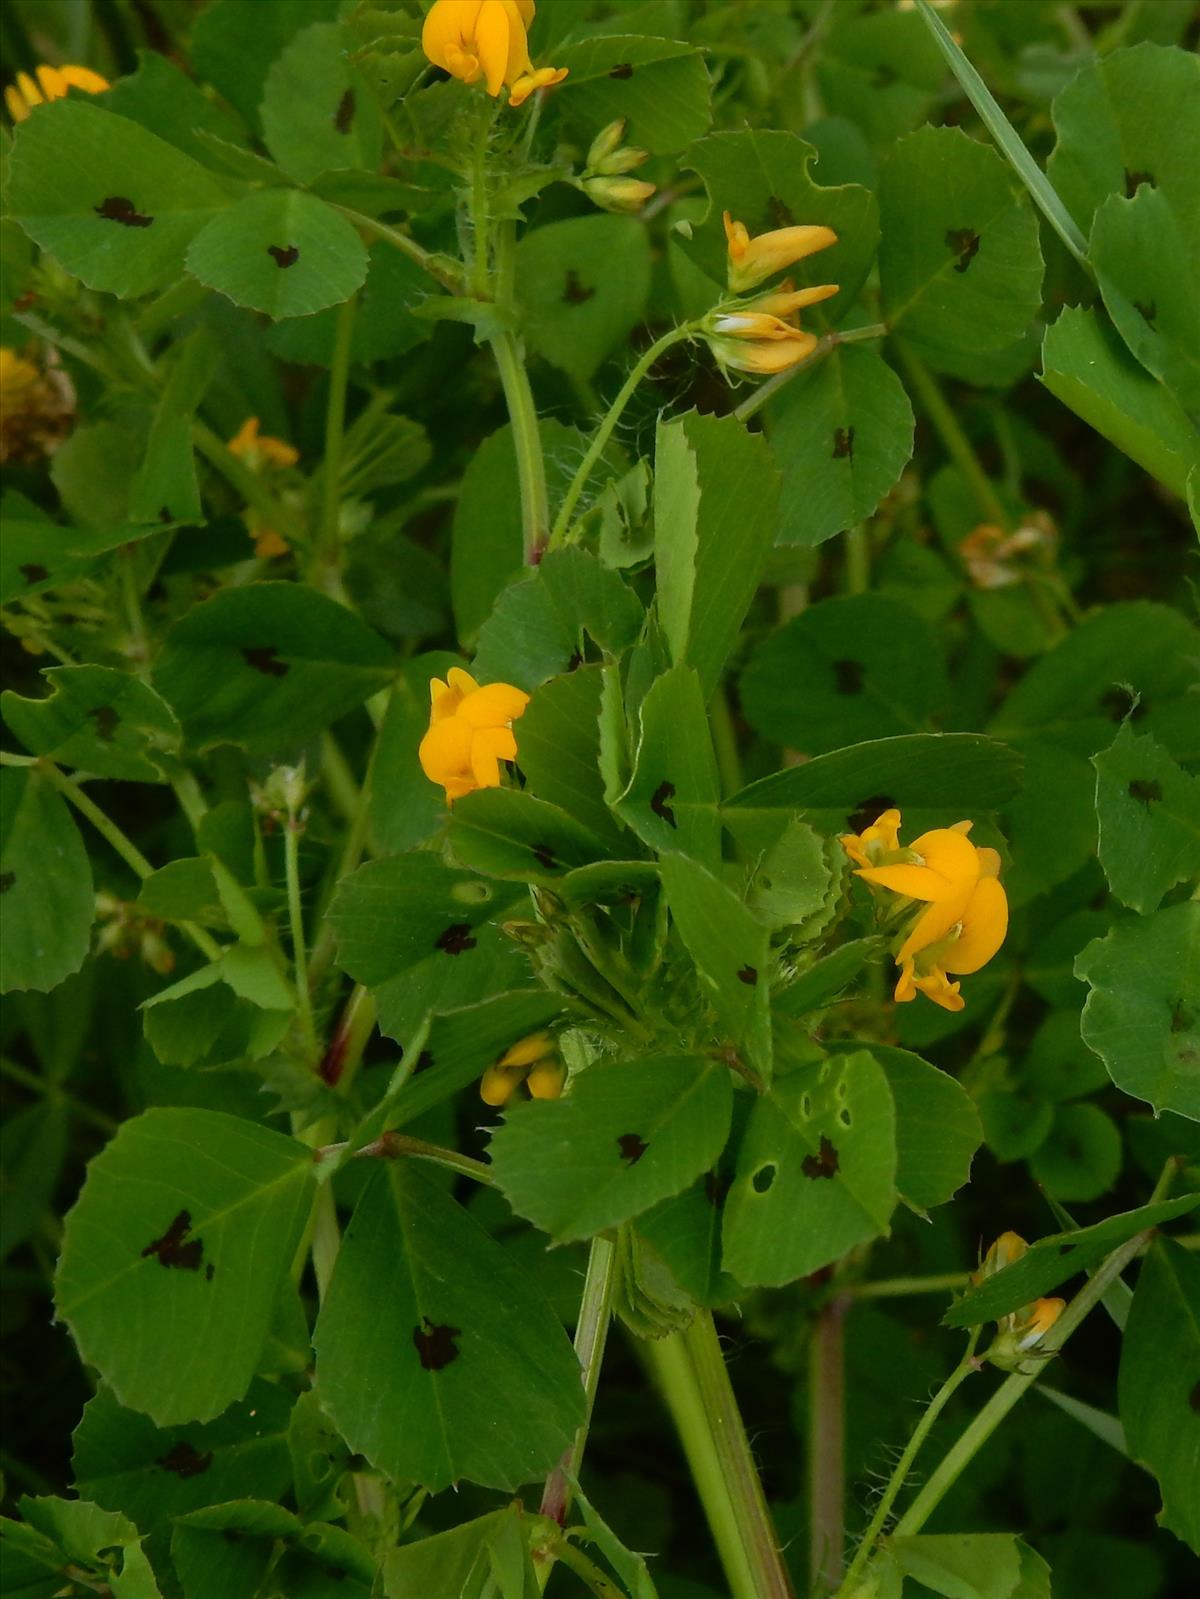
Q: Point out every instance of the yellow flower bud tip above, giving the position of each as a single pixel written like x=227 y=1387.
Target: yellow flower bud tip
x=753 y=260
x=269 y=545
x=498 y=1084
x=606 y=143
x=528 y=1051
x=1037 y=1321
x=488 y=39
x=1009 y=1247
x=53 y=83
x=618 y=194
x=470 y=732
x=546 y=1079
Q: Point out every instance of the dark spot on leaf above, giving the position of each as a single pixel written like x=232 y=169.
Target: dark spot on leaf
x=748 y=975
x=106 y=720
x=164 y=514
x=544 y=856
x=435 y=1344
x=763 y=1179
x=424 y=1061
x=632 y=1147
x=1119 y=702
x=870 y=808
x=623 y=69
x=658 y=803
x=884 y=76
x=171 y=1249
x=575 y=662
x=284 y=255
x=1194 y=1398
x=118 y=209
x=843 y=444
x=7 y=879
x=456 y=939
x=848 y=679
x=1145 y=791
x=824 y=1163
x=185 y=1461
x=208 y=1272
x=1180 y=1017
x=1146 y=309
x=1066 y=1249
x=965 y=243
x=33 y=573
x=715 y=1189
x=780 y=215
x=231 y=1535
x=575 y=292
x=265 y=659
x=1134 y=181
x=343 y=117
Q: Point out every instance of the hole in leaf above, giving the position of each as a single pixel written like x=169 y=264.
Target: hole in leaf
x=265 y=659
x=172 y=1251
x=843 y=444
x=632 y=1146
x=964 y=242
x=185 y=1461
x=658 y=803
x=33 y=573
x=748 y=975
x=1145 y=791
x=843 y=1116
x=763 y=1179
x=343 y=117
x=848 y=677
x=118 y=209
x=106 y=720
x=575 y=292
x=456 y=939
x=623 y=69
x=284 y=255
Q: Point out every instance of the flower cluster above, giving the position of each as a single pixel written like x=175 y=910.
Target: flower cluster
x=532 y=1061
x=488 y=39
x=37 y=408
x=1019 y=1333
x=963 y=914
x=261 y=453
x=764 y=334
x=605 y=179
x=470 y=732
x=53 y=83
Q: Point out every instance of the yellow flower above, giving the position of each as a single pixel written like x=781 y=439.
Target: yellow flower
x=260 y=449
x=21 y=97
x=965 y=917
x=532 y=1060
x=1018 y=1333
x=1009 y=1247
x=752 y=261
x=764 y=334
x=36 y=407
x=470 y=732
x=473 y=39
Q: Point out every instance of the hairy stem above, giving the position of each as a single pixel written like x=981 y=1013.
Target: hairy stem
x=561 y=532
x=291 y=859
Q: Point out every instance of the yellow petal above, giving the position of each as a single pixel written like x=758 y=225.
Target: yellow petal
x=546 y=1080
x=17 y=109
x=29 y=90
x=931 y=926
x=492 y=39
x=543 y=78
x=494 y=706
x=498 y=1084
x=935 y=986
x=461 y=682
x=54 y=85
x=445 y=756
x=84 y=78
x=984 y=924
x=488 y=749
x=447 y=25
x=528 y=1050
x=246 y=437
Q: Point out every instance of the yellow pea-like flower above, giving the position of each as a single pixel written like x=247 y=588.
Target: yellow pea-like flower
x=488 y=40
x=49 y=83
x=470 y=732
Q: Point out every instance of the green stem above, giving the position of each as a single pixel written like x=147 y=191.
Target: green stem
x=858 y=559
x=335 y=427
x=1002 y=1401
x=898 y=1287
x=591 y=1335
x=587 y=1571
x=399 y=1146
x=124 y=847
x=291 y=860
x=827 y=1445
x=442 y=270
x=691 y=1373
x=724 y=735
x=52 y=1091
x=904 y=1465
x=561 y=532
x=531 y=466
x=958 y=446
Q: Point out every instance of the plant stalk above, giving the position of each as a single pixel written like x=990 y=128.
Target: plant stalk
x=591 y=1335
x=827 y=1445
x=691 y=1372
x=335 y=427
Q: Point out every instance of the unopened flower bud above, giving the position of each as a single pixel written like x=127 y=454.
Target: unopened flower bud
x=618 y=194
x=606 y=142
